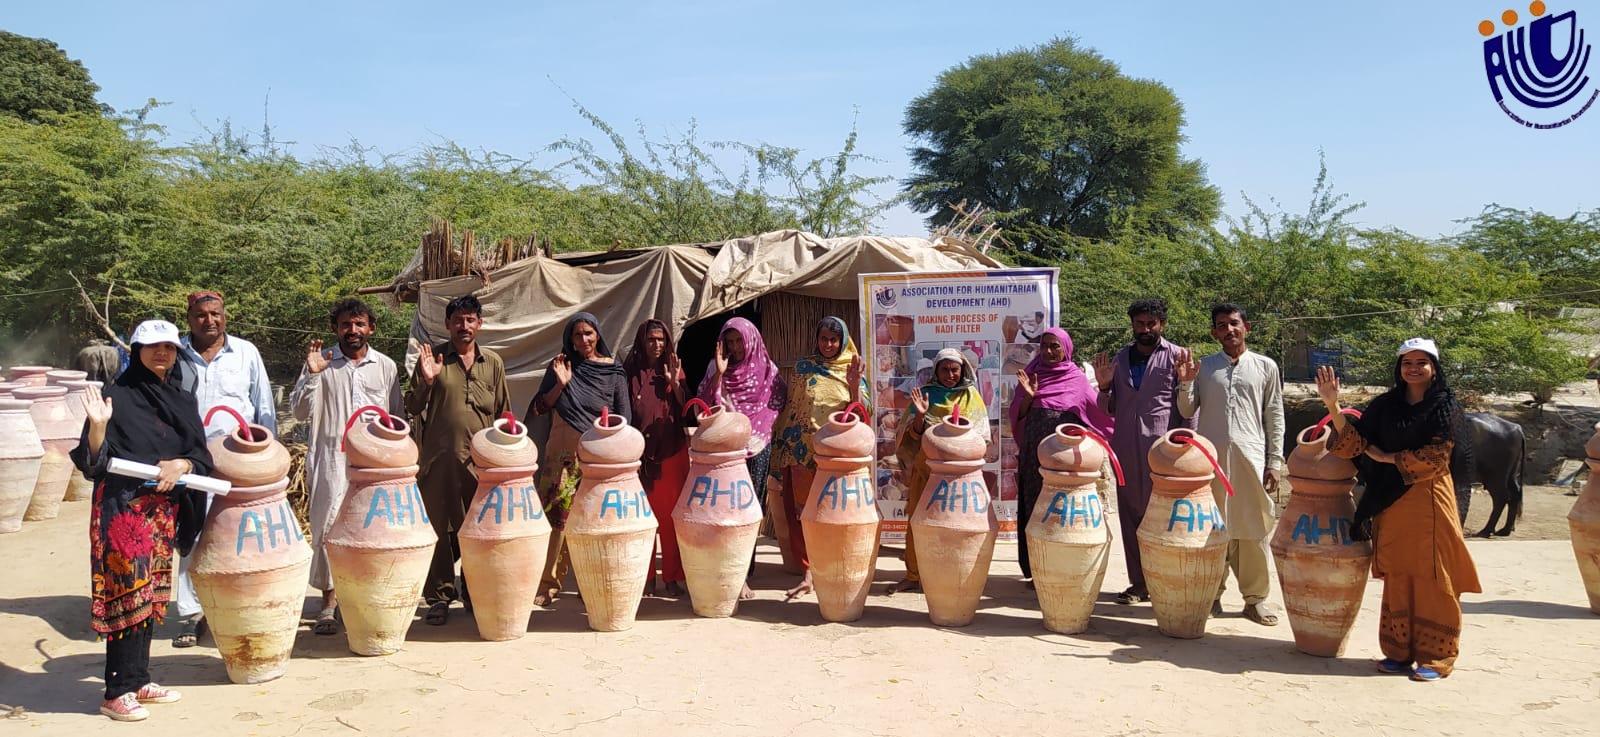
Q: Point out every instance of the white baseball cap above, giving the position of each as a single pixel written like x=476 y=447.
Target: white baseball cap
x=1419 y=344
x=151 y=332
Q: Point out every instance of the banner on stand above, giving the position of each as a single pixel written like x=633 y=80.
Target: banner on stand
x=995 y=318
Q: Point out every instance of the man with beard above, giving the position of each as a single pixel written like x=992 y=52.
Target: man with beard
x=1238 y=398
x=332 y=385
x=220 y=370
x=457 y=389
x=1140 y=389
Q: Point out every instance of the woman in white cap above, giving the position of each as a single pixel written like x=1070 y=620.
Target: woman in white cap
x=143 y=417
x=1409 y=510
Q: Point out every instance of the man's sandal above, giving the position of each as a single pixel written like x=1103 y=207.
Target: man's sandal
x=327 y=622
x=438 y=613
x=190 y=631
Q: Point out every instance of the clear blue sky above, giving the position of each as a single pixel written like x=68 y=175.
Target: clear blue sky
x=1394 y=93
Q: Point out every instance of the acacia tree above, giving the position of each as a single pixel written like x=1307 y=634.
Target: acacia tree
x=1060 y=144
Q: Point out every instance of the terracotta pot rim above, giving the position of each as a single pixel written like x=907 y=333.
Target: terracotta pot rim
x=398 y=472
x=388 y=431
x=11 y=404
x=1182 y=479
x=596 y=465
x=259 y=490
x=30 y=369
x=1321 y=440
x=844 y=459
x=716 y=457
x=505 y=470
x=39 y=392
x=1060 y=431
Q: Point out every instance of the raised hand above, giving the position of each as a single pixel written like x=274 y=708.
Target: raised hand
x=674 y=369
x=1328 y=388
x=429 y=364
x=562 y=368
x=1025 y=383
x=1104 y=369
x=919 y=399
x=721 y=360
x=316 y=360
x=1188 y=367
x=98 y=409
x=852 y=375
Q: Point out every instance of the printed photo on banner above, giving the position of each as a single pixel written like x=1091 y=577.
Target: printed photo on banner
x=994 y=320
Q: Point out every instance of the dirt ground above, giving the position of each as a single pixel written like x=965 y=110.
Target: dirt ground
x=1530 y=666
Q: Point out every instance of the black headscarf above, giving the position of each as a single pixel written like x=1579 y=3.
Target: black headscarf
x=152 y=421
x=1393 y=425
x=594 y=385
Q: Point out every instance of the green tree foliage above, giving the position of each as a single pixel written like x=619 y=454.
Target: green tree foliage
x=1061 y=145
x=1313 y=281
x=106 y=200
x=37 y=79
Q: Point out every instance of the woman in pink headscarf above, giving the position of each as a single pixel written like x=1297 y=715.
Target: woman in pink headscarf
x=742 y=378
x=1050 y=391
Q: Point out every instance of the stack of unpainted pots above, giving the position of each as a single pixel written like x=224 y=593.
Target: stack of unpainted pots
x=381 y=542
x=840 y=519
x=1323 y=573
x=1183 y=542
x=954 y=529
x=611 y=529
x=717 y=517
x=251 y=565
x=505 y=536
x=20 y=456
x=1069 y=540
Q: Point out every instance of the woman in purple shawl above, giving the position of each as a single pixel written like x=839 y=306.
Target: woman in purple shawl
x=742 y=378
x=1052 y=390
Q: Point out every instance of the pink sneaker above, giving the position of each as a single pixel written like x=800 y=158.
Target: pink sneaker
x=125 y=708
x=156 y=694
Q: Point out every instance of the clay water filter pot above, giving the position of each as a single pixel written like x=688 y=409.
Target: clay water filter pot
x=505 y=536
x=717 y=515
x=954 y=528
x=611 y=528
x=1584 y=520
x=252 y=563
x=840 y=519
x=59 y=435
x=1183 y=542
x=20 y=456
x=1069 y=539
x=381 y=541
x=1321 y=571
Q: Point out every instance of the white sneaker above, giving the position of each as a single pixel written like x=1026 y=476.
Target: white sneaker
x=125 y=708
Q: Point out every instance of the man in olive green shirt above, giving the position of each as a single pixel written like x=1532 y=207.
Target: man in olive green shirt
x=457 y=389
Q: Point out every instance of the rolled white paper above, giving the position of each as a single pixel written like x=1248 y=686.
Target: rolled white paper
x=146 y=472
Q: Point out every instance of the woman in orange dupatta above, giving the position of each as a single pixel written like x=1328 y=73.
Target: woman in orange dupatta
x=1409 y=510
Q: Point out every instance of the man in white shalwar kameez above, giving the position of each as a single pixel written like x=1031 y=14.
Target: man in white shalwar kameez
x=333 y=384
x=1238 y=397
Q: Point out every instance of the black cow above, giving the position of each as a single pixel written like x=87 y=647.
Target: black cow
x=1496 y=462
x=1493 y=458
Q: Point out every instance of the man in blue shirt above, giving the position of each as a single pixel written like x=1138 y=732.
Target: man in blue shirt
x=220 y=370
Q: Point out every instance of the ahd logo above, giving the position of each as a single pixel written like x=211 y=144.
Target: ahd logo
x=1523 y=62
x=886 y=296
